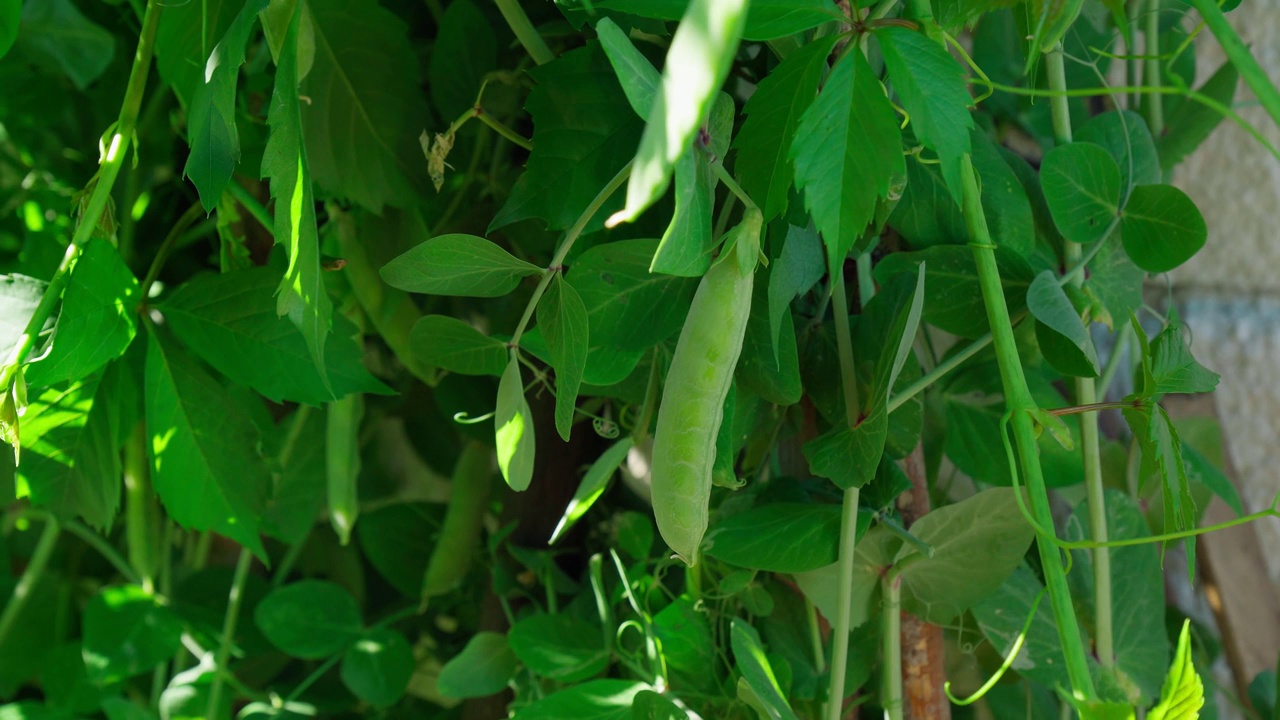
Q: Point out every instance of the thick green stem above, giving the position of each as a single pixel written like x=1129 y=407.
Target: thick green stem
x=525 y=32
x=1022 y=407
x=1151 y=68
x=849 y=508
x=891 y=647
x=1240 y=56
x=228 y=631
x=137 y=487
x=117 y=149
x=30 y=576
x=1086 y=394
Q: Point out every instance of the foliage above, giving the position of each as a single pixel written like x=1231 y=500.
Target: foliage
x=260 y=377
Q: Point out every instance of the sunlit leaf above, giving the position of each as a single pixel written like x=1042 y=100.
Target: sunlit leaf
x=513 y=423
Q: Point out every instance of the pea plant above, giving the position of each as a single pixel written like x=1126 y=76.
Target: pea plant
x=606 y=358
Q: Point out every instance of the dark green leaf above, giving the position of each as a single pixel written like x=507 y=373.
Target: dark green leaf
x=1050 y=306
x=595 y=699
x=1125 y=135
x=10 y=17
x=97 y=321
x=1115 y=281
x=563 y=319
x=933 y=90
x=54 y=31
x=1161 y=227
x=127 y=632
x=583 y=133
x=848 y=456
x=685 y=635
x=766 y=19
x=465 y=50
x=592 y=486
x=780 y=537
x=1182 y=695
x=378 y=666
x=184 y=37
x=1081 y=184
x=748 y=653
x=513 y=423
x=309 y=619
x=483 y=668
x=461 y=265
x=211 y=122
x=302 y=294
x=698 y=61
x=627 y=306
x=797 y=270
x=1173 y=369
x=560 y=647
x=649 y=705
x=769 y=365
x=204 y=448
x=773 y=115
x=440 y=341
x=65 y=681
x=847 y=153
x=1162 y=458
x=365 y=110
x=229 y=320
x=640 y=81
x=398 y=540
x=296 y=498
x=1191 y=123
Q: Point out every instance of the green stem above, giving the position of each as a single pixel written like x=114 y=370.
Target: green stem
x=166 y=247
x=866 y=281
x=228 y=630
x=525 y=32
x=138 y=507
x=1151 y=68
x=734 y=187
x=30 y=576
x=815 y=637
x=1240 y=56
x=891 y=647
x=117 y=151
x=250 y=203
x=566 y=245
x=1023 y=407
x=1086 y=394
x=95 y=541
x=506 y=132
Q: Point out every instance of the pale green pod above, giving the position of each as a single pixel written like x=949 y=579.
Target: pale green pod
x=692 y=409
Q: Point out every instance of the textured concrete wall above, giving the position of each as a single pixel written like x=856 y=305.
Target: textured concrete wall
x=1230 y=293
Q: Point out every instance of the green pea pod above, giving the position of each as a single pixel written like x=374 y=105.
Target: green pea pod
x=342 y=462
x=472 y=482
x=692 y=410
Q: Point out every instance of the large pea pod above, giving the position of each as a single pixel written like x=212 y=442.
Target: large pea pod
x=692 y=409
x=460 y=534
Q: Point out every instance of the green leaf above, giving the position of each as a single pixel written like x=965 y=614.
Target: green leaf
x=1137 y=598
x=779 y=537
x=1191 y=123
x=641 y=82
x=211 y=122
x=1081 y=185
x=698 y=61
x=649 y=705
x=366 y=109
x=65 y=681
x=595 y=699
x=848 y=456
x=185 y=34
x=1115 y=281
x=513 y=423
x=769 y=365
x=302 y=294
x=398 y=540
x=204 y=448
x=1173 y=369
x=441 y=341
x=794 y=273
x=1125 y=135
x=10 y=16
x=19 y=296
x=297 y=499
x=1161 y=227
x=766 y=19
x=378 y=666
x=628 y=307
x=977 y=543
x=563 y=319
x=934 y=93
x=592 y=486
x=127 y=632
x=872 y=558
x=229 y=320
x=71 y=437
x=583 y=133
x=1161 y=447
x=55 y=32
x=685 y=635
x=847 y=152
x=460 y=265
x=97 y=321
x=1050 y=306
x=954 y=300
x=1206 y=472
x=1001 y=617
x=187 y=697
x=748 y=653
x=773 y=115
x=465 y=50
x=1183 y=693
x=309 y=619
x=342 y=462
x=483 y=668
x=559 y=647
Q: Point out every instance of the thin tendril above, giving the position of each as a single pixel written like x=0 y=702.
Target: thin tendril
x=1004 y=666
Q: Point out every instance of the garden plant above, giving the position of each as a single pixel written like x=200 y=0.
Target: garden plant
x=606 y=359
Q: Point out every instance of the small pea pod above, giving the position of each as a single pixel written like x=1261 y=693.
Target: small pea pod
x=692 y=410
x=472 y=482
x=342 y=462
